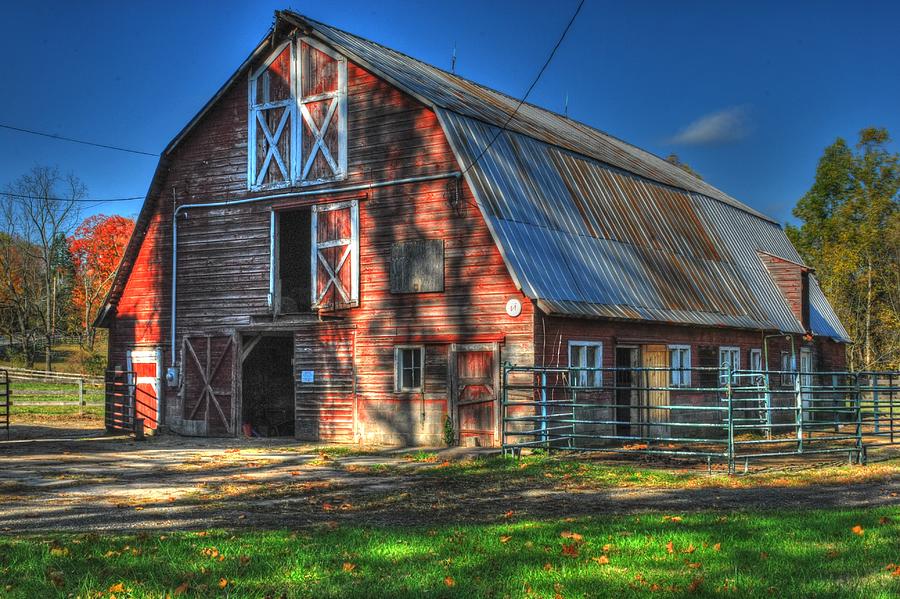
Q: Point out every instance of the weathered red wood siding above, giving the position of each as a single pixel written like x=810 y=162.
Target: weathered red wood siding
x=793 y=282
x=223 y=258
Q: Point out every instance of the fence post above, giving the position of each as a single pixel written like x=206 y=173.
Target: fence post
x=798 y=399
x=504 y=398
x=730 y=398
x=81 y=402
x=858 y=408
x=873 y=383
x=544 y=407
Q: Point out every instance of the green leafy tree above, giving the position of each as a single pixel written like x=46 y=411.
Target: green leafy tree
x=850 y=233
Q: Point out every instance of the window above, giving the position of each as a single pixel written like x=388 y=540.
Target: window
x=408 y=366
x=680 y=363
x=729 y=360
x=756 y=364
x=335 y=255
x=788 y=367
x=586 y=354
x=417 y=266
x=297 y=117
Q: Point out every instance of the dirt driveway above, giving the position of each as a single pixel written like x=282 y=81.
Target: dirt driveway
x=115 y=483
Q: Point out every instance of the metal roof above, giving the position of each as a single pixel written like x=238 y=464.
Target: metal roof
x=583 y=238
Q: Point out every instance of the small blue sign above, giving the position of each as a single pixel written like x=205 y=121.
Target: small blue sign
x=307 y=376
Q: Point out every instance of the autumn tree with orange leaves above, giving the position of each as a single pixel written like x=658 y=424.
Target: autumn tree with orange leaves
x=96 y=247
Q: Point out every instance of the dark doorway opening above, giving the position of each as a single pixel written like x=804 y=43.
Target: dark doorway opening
x=294 y=275
x=627 y=358
x=267 y=386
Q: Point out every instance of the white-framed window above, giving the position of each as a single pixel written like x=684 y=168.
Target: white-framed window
x=334 y=255
x=297 y=117
x=788 y=367
x=729 y=360
x=586 y=354
x=756 y=362
x=409 y=368
x=680 y=363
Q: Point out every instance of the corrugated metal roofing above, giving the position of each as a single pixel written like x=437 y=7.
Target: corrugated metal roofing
x=583 y=238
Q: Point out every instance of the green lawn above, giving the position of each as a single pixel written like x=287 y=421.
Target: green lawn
x=851 y=553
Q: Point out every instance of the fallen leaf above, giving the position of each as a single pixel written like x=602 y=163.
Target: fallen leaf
x=571 y=535
x=295 y=473
x=449 y=581
x=672 y=519
x=508 y=514
x=349 y=567
x=670 y=547
x=548 y=566
x=182 y=588
x=505 y=538
x=570 y=549
x=858 y=530
x=244 y=560
x=695 y=585
x=763 y=555
x=884 y=520
x=602 y=560
x=139 y=508
x=223 y=582
x=59 y=551
x=717 y=547
x=606 y=548
x=695 y=565
x=690 y=549
x=116 y=588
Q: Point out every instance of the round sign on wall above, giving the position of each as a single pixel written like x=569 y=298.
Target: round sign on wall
x=513 y=307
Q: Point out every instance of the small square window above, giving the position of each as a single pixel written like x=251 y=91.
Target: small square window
x=680 y=363
x=583 y=356
x=408 y=368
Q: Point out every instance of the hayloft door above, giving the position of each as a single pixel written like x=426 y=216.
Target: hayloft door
x=474 y=389
x=209 y=384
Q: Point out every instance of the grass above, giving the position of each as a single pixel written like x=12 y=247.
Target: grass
x=65 y=358
x=843 y=553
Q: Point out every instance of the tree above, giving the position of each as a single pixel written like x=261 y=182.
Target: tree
x=850 y=233
x=96 y=248
x=674 y=159
x=41 y=209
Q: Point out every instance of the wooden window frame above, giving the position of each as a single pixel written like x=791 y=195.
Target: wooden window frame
x=580 y=378
x=352 y=298
x=755 y=351
x=399 y=367
x=735 y=365
x=680 y=376
x=301 y=159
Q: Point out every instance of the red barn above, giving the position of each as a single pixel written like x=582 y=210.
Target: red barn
x=346 y=243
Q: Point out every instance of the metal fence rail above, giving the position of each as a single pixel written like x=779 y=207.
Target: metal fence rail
x=706 y=413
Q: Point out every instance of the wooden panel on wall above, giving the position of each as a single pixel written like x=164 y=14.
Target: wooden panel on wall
x=417 y=266
x=324 y=379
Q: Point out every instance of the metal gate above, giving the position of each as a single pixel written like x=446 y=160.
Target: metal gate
x=705 y=413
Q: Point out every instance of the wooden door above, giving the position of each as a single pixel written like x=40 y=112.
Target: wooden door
x=209 y=383
x=475 y=397
x=335 y=256
x=656 y=356
x=145 y=369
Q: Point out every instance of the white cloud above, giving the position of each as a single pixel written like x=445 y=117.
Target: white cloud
x=723 y=126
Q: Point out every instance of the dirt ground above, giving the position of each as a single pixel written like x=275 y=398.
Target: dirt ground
x=79 y=479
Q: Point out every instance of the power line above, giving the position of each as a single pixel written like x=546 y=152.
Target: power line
x=77 y=141
x=78 y=200
x=530 y=87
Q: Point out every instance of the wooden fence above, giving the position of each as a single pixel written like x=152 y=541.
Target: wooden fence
x=45 y=388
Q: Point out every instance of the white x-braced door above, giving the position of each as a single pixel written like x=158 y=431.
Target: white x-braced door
x=272 y=115
x=335 y=255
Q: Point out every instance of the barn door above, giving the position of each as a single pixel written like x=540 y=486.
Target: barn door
x=271 y=145
x=656 y=356
x=209 y=383
x=475 y=396
x=323 y=111
x=145 y=368
x=335 y=255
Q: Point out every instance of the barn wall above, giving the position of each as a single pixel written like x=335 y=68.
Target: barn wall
x=223 y=259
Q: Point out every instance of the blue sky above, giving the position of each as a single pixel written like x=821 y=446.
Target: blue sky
x=747 y=95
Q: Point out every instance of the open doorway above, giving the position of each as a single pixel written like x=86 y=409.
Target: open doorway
x=267 y=385
x=294 y=264
x=627 y=382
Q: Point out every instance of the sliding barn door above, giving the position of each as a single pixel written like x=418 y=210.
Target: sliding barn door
x=209 y=383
